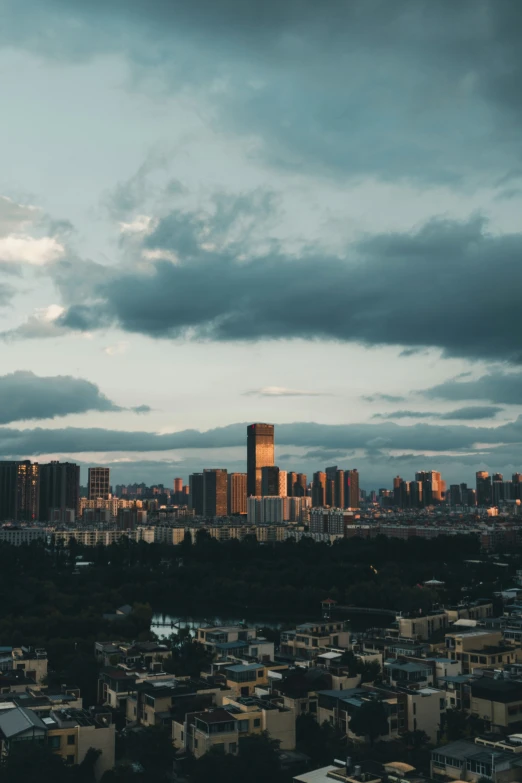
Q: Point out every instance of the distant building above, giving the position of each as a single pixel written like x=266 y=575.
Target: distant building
x=59 y=491
x=196 y=493
x=19 y=491
x=99 y=485
x=319 y=489
x=237 y=493
x=273 y=481
x=215 y=492
x=484 y=495
x=260 y=454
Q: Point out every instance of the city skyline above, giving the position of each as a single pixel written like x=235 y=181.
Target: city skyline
x=200 y=232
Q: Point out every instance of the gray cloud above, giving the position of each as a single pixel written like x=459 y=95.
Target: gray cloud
x=281 y=391
x=223 y=287
x=497 y=386
x=383 y=398
x=141 y=409
x=24 y=396
x=310 y=435
x=472 y=412
x=408 y=89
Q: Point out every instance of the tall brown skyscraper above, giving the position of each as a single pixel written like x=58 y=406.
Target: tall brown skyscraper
x=351 y=488
x=178 y=485
x=99 y=485
x=215 y=492
x=260 y=454
x=237 y=493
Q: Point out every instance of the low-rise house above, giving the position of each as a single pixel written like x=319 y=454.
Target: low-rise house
x=402 y=671
x=422 y=626
x=153 y=703
x=458 y=691
x=478 y=649
x=407 y=709
x=497 y=701
x=147 y=654
x=223 y=727
x=493 y=757
x=244 y=678
x=211 y=635
x=308 y=640
x=31 y=661
x=69 y=733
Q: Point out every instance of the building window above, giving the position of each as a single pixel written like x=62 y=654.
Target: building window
x=195 y=743
x=55 y=742
x=71 y=739
x=257 y=722
x=232 y=747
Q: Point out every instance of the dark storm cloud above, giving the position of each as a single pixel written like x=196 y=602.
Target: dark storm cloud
x=342 y=437
x=394 y=288
x=497 y=386
x=24 y=395
x=470 y=413
x=409 y=88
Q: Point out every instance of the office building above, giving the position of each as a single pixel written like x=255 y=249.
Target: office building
x=19 y=491
x=351 y=488
x=260 y=454
x=237 y=493
x=99 y=483
x=196 y=493
x=274 y=481
x=433 y=487
x=296 y=485
x=484 y=494
x=59 y=491
x=319 y=489
x=215 y=492
x=334 y=487
x=178 y=485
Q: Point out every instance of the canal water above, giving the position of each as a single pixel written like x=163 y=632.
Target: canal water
x=163 y=625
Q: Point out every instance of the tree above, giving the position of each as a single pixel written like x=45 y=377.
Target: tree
x=35 y=762
x=151 y=748
x=370 y=720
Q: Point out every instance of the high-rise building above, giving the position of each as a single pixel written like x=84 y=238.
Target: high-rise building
x=215 y=492
x=260 y=454
x=178 y=485
x=59 y=491
x=433 y=487
x=484 y=495
x=196 y=493
x=237 y=493
x=99 y=485
x=19 y=491
x=300 y=489
x=296 y=485
x=335 y=487
x=319 y=489
x=273 y=481
x=351 y=489
x=516 y=486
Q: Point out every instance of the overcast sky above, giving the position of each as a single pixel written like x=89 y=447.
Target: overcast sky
x=214 y=212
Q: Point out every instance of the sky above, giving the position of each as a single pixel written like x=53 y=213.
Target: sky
x=216 y=212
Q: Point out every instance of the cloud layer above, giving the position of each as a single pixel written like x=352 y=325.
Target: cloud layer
x=402 y=288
